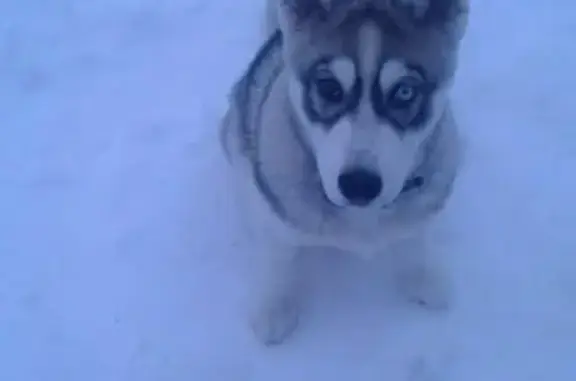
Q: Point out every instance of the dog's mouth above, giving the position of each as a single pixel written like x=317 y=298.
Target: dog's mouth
x=412 y=184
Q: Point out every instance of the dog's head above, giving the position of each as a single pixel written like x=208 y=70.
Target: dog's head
x=369 y=81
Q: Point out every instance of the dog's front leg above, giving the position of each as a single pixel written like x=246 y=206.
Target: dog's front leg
x=420 y=274
x=277 y=303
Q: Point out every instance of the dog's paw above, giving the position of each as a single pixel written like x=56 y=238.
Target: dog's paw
x=426 y=289
x=275 y=321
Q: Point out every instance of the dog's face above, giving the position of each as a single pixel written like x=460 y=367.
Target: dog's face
x=369 y=83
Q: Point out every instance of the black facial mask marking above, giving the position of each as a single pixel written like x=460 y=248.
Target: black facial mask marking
x=326 y=100
x=405 y=104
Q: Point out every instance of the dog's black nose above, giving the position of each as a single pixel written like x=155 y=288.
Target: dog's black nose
x=360 y=186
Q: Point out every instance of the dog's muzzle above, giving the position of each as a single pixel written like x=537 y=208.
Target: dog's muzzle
x=360 y=186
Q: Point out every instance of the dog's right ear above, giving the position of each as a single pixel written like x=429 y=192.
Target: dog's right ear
x=297 y=13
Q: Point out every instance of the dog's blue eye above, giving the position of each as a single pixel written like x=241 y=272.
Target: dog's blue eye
x=402 y=95
x=329 y=89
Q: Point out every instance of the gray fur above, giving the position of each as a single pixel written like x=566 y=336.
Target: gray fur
x=431 y=41
x=275 y=151
x=265 y=120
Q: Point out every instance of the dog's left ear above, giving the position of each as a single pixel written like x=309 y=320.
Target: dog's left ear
x=431 y=11
x=444 y=14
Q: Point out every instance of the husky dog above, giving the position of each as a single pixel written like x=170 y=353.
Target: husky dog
x=340 y=135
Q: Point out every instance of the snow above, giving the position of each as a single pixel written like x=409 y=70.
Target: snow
x=119 y=258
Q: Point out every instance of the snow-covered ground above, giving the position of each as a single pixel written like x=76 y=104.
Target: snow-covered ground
x=118 y=253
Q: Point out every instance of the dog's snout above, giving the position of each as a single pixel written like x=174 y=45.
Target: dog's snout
x=360 y=186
